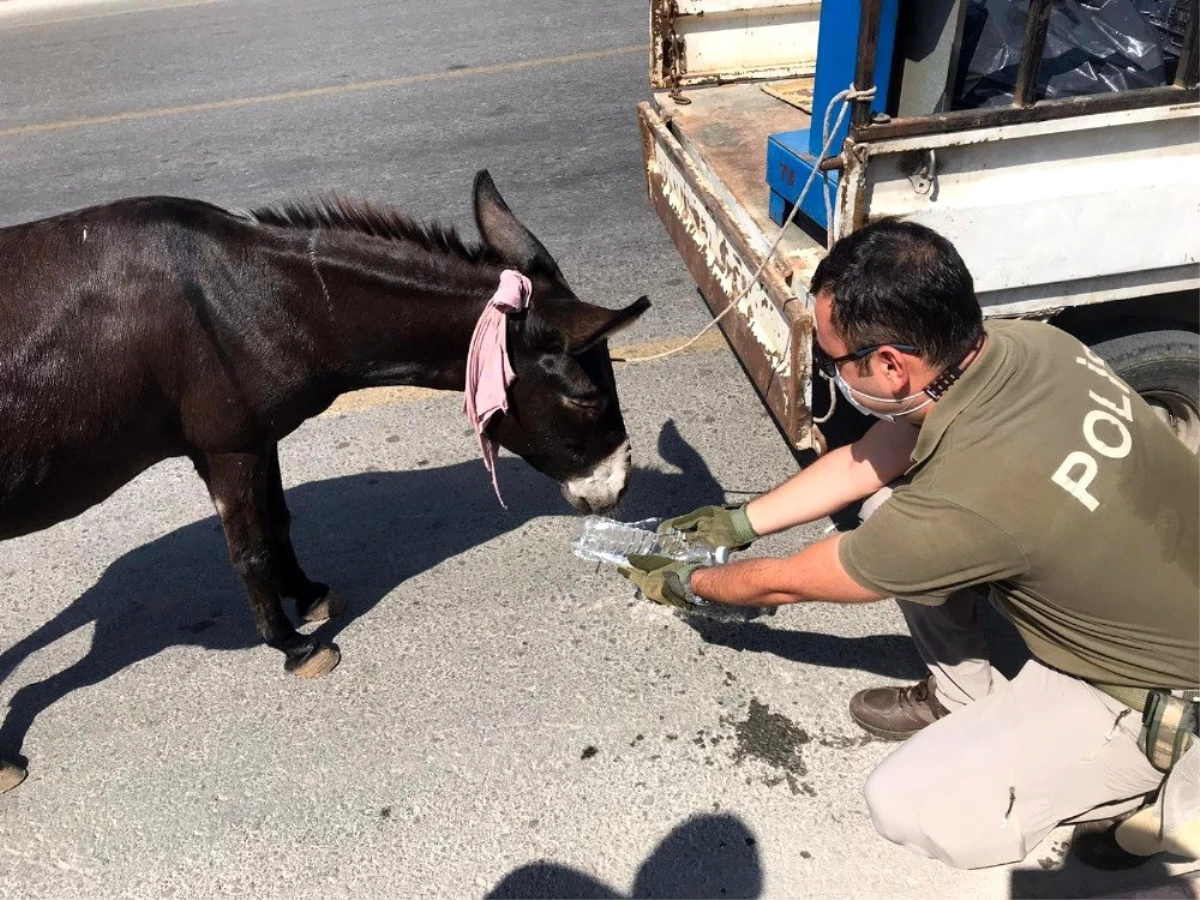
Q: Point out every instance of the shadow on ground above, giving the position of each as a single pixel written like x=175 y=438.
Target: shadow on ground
x=366 y=534
x=891 y=656
x=709 y=856
x=1074 y=879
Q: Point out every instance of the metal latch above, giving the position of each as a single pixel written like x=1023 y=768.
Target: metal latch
x=923 y=176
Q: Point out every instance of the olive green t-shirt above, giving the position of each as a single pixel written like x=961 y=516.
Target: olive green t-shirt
x=1045 y=476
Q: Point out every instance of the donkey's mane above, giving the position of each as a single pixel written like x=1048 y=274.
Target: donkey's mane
x=352 y=214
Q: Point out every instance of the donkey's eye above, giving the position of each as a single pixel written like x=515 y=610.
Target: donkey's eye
x=588 y=403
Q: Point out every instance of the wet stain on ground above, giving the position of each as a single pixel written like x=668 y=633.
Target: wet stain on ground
x=776 y=740
x=771 y=737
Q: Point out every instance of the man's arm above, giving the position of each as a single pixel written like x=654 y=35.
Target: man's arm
x=814 y=574
x=837 y=479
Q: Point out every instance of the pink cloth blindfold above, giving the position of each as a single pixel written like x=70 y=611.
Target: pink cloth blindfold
x=489 y=372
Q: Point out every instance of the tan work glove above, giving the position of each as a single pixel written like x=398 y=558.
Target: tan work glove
x=662 y=579
x=716 y=526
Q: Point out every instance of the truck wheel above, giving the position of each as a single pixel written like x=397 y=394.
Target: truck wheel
x=1163 y=365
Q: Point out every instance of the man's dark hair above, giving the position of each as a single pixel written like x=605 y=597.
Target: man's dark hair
x=899 y=282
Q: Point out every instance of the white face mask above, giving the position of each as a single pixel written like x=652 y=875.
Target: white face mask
x=849 y=392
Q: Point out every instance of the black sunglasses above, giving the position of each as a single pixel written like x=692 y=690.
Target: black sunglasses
x=828 y=364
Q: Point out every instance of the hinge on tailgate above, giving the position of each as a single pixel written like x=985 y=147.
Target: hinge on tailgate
x=674 y=52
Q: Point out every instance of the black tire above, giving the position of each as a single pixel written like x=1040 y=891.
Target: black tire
x=1163 y=365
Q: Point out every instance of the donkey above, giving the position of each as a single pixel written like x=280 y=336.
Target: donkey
x=157 y=327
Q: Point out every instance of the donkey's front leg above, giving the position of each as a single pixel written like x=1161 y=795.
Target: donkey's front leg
x=240 y=485
x=315 y=602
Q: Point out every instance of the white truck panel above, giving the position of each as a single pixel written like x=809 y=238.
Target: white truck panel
x=732 y=40
x=1056 y=214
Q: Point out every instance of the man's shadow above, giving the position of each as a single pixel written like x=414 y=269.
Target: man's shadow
x=709 y=856
x=365 y=534
x=1076 y=879
x=892 y=656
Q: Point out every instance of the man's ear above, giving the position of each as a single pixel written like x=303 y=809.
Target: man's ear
x=581 y=326
x=504 y=233
x=894 y=365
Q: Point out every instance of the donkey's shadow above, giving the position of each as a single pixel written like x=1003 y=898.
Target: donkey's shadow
x=364 y=534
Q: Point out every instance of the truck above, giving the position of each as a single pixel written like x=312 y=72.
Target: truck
x=1069 y=181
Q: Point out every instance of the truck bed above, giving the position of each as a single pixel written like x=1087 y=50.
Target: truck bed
x=725 y=130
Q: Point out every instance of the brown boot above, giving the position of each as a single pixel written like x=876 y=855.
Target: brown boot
x=897 y=713
x=10 y=776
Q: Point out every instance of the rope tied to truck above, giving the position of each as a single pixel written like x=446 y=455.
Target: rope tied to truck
x=845 y=98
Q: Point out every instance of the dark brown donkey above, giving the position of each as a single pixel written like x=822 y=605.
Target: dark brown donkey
x=159 y=327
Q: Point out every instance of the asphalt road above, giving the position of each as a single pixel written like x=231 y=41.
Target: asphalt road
x=506 y=720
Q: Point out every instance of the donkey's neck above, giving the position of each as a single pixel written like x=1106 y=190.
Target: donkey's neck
x=401 y=314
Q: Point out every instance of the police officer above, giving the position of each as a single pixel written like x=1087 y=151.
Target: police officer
x=1009 y=463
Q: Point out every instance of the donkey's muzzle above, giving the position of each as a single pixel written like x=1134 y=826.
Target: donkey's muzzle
x=601 y=489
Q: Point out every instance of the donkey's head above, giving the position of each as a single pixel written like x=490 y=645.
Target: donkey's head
x=563 y=417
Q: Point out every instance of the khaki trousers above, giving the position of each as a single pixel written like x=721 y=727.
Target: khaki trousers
x=984 y=785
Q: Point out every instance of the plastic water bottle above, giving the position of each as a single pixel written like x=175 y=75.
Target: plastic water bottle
x=608 y=541
x=612 y=542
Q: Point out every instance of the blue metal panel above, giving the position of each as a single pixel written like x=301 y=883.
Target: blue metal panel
x=790 y=155
x=788 y=167
x=837 y=52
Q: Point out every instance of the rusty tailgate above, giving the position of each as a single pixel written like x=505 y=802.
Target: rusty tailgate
x=770 y=331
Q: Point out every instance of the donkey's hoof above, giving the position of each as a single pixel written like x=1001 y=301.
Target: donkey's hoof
x=321 y=661
x=10 y=776
x=327 y=607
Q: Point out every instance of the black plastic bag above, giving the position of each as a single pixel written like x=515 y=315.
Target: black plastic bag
x=1092 y=47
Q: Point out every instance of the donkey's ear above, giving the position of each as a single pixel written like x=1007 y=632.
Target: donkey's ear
x=504 y=233
x=582 y=325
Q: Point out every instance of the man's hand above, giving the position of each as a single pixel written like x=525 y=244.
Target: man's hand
x=662 y=579
x=716 y=526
